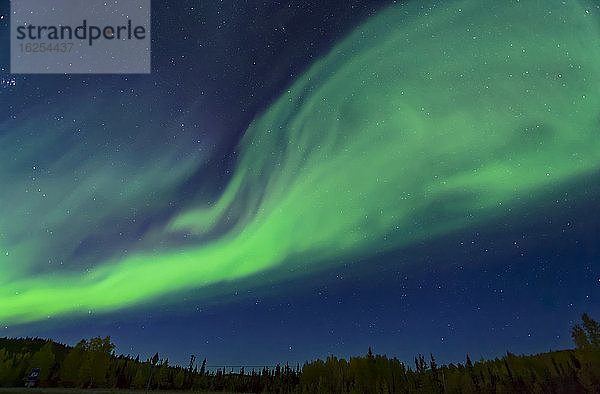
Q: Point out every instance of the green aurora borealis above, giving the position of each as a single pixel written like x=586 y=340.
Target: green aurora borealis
x=419 y=123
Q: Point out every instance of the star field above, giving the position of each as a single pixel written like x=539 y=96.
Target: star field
x=298 y=179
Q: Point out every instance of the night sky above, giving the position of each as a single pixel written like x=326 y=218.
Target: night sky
x=296 y=179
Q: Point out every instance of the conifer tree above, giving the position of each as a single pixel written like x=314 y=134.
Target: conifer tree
x=580 y=338
x=192 y=360
x=203 y=368
x=6 y=365
x=69 y=370
x=179 y=379
x=592 y=328
x=141 y=377
x=45 y=360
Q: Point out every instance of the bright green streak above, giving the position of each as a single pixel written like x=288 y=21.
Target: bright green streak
x=417 y=124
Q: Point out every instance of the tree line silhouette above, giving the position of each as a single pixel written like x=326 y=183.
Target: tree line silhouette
x=93 y=364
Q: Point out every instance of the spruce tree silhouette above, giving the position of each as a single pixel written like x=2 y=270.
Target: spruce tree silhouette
x=592 y=329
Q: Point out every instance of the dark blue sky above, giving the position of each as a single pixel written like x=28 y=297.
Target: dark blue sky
x=514 y=284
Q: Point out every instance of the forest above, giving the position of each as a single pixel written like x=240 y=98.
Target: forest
x=94 y=364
